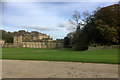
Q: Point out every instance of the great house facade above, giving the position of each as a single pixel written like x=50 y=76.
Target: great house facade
x=36 y=40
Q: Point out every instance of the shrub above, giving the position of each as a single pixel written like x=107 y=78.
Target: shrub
x=80 y=48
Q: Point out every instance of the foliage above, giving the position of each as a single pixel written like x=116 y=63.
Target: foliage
x=8 y=36
x=108 y=34
x=66 y=42
x=102 y=27
x=106 y=21
x=80 y=40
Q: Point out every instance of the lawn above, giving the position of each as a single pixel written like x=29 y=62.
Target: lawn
x=89 y=56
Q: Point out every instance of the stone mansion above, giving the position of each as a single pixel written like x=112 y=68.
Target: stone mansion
x=36 y=40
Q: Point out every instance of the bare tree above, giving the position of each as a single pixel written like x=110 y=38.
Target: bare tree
x=75 y=21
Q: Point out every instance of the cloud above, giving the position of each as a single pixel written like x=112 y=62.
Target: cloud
x=40 y=28
x=51 y=16
x=69 y=26
x=62 y=25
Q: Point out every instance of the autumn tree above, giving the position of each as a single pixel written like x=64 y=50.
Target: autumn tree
x=102 y=27
x=107 y=23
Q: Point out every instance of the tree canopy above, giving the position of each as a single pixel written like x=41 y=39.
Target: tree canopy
x=102 y=27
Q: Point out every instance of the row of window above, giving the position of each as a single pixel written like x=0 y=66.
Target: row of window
x=40 y=43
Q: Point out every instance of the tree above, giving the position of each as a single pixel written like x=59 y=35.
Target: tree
x=108 y=34
x=109 y=26
x=70 y=37
x=79 y=39
x=66 y=42
x=21 y=32
x=102 y=27
x=7 y=36
x=75 y=21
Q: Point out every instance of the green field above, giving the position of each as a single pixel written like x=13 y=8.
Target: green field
x=90 y=56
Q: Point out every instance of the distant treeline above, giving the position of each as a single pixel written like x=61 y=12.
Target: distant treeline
x=8 y=36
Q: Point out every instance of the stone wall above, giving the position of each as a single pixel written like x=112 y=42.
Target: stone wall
x=103 y=47
x=11 y=45
x=33 y=45
x=42 y=45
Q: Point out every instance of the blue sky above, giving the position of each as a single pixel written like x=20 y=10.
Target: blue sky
x=44 y=17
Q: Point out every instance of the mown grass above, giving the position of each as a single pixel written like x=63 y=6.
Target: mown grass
x=89 y=56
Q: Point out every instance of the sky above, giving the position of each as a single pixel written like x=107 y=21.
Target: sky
x=51 y=18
